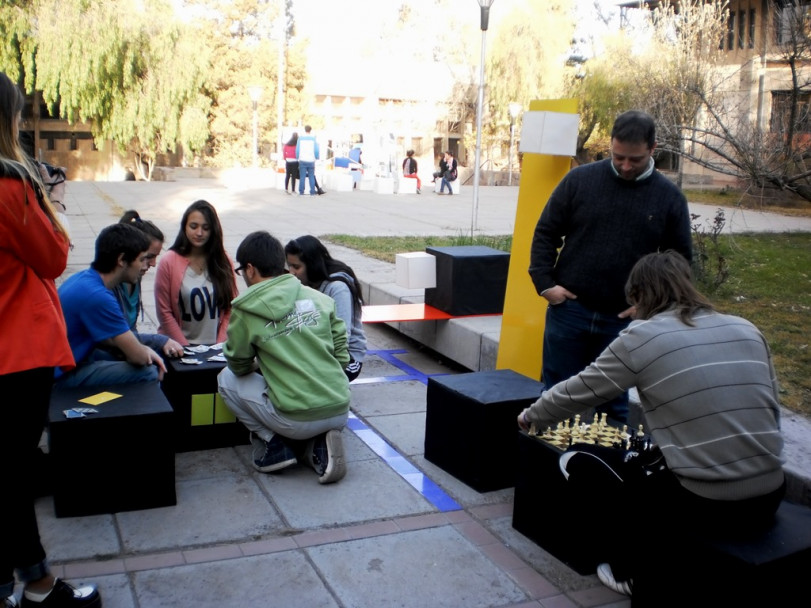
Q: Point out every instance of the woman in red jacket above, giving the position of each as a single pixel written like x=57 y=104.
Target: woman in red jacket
x=33 y=253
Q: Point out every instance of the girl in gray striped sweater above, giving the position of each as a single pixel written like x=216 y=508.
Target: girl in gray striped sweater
x=710 y=398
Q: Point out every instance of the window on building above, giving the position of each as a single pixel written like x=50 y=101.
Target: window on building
x=781 y=112
x=741 y=28
x=751 y=28
x=731 y=32
x=792 y=20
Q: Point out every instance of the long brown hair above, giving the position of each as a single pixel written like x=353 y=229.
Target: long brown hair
x=219 y=267
x=661 y=281
x=13 y=161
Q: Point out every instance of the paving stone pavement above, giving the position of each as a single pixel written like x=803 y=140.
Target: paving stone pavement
x=397 y=531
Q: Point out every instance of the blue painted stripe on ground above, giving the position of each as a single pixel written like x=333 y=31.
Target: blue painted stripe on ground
x=411 y=474
x=389 y=357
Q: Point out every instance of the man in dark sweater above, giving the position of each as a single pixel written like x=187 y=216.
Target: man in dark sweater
x=599 y=221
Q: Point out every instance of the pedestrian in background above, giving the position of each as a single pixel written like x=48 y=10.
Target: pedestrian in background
x=410 y=168
x=290 y=164
x=307 y=152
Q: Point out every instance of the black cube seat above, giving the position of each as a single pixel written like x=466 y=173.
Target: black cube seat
x=470 y=425
x=120 y=458
x=202 y=419
x=757 y=568
x=546 y=511
x=470 y=280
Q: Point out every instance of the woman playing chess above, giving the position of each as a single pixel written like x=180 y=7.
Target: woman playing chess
x=710 y=399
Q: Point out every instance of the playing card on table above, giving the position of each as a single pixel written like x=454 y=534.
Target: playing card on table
x=190 y=361
x=196 y=349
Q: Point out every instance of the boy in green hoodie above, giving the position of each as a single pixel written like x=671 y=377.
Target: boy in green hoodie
x=291 y=337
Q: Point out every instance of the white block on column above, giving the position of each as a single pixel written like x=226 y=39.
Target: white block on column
x=342 y=182
x=553 y=133
x=416 y=270
x=384 y=185
x=407 y=185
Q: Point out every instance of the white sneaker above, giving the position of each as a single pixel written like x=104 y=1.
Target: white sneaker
x=606 y=577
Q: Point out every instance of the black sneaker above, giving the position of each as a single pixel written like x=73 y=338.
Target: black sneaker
x=10 y=602
x=273 y=455
x=65 y=596
x=326 y=456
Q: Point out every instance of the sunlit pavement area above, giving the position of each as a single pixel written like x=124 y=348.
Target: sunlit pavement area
x=396 y=531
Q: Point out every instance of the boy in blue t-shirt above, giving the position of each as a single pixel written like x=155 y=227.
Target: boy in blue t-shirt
x=105 y=350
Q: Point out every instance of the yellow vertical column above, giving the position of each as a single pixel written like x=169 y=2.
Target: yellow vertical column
x=521 y=342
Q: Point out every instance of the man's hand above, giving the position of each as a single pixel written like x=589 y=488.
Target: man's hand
x=155 y=359
x=523 y=422
x=172 y=349
x=557 y=294
x=628 y=312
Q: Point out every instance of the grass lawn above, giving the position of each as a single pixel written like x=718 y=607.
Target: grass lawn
x=769 y=284
x=770 y=201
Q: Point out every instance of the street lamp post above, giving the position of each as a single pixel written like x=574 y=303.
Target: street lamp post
x=485 y=18
x=256 y=94
x=514 y=109
x=280 y=87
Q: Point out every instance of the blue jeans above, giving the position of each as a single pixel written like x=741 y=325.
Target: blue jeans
x=306 y=171
x=101 y=369
x=444 y=183
x=573 y=339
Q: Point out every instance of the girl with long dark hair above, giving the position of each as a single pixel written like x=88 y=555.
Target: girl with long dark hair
x=195 y=281
x=312 y=264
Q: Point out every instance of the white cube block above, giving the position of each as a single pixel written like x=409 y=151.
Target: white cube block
x=384 y=185
x=279 y=181
x=407 y=185
x=416 y=270
x=342 y=182
x=553 y=133
x=367 y=184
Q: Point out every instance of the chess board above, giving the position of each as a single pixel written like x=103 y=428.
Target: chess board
x=598 y=432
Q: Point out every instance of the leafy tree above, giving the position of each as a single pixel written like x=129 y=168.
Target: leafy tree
x=245 y=38
x=17 y=52
x=526 y=61
x=665 y=65
x=605 y=87
x=730 y=141
x=115 y=65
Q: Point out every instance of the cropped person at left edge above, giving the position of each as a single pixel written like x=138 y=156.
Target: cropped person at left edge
x=33 y=253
